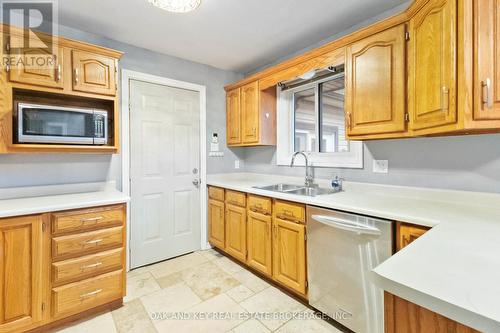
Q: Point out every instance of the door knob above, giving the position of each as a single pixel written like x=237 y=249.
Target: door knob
x=196 y=182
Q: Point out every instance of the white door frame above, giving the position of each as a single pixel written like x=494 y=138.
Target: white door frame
x=126 y=76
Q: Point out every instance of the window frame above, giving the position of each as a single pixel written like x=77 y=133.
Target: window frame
x=285 y=121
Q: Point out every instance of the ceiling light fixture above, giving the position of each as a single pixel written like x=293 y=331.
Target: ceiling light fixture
x=176 y=6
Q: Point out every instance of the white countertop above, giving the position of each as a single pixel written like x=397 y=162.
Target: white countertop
x=57 y=202
x=454 y=269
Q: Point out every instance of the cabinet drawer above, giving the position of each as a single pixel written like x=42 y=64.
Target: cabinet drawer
x=260 y=205
x=86 y=219
x=290 y=211
x=92 y=241
x=236 y=198
x=86 y=294
x=216 y=193
x=84 y=267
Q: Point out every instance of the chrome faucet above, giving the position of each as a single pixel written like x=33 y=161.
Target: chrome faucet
x=309 y=180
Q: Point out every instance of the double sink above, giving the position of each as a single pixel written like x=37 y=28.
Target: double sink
x=297 y=189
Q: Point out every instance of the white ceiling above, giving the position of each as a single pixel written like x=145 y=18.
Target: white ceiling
x=238 y=35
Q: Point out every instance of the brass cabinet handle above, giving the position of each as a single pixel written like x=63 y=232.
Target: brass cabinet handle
x=93 y=242
x=445 y=99
x=93 y=220
x=487 y=98
x=97 y=264
x=76 y=76
x=91 y=294
x=348 y=120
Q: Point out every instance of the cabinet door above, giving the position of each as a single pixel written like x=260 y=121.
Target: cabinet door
x=22 y=282
x=236 y=236
x=34 y=64
x=432 y=66
x=216 y=229
x=259 y=242
x=407 y=233
x=93 y=73
x=375 y=84
x=289 y=254
x=233 y=115
x=487 y=70
x=250 y=112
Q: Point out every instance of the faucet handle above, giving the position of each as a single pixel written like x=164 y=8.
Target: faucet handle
x=337 y=182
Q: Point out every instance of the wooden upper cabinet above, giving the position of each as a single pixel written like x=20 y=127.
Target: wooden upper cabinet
x=40 y=63
x=216 y=225
x=375 y=101
x=289 y=254
x=93 y=73
x=233 y=114
x=250 y=112
x=433 y=66
x=259 y=242
x=22 y=282
x=487 y=53
x=236 y=235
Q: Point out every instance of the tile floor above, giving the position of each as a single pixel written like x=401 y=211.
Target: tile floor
x=202 y=292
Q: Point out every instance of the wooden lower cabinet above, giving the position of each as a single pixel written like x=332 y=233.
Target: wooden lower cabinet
x=88 y=268
x=402 y=316
x=259 y=242
x=216 y=225
x=23 y=282
x=407 y=233
x=289 y=254
x=236 y=235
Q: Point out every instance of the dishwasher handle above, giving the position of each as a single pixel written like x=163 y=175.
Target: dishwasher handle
x=347 y=225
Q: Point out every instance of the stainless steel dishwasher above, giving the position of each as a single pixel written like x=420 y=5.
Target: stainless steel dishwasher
x=342 y=249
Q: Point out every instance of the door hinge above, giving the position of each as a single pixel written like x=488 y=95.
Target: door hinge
x=305 y=237
x=43 y=306
x=407 y=35
x=7 y=46
x=407 y=117
x=307 y=283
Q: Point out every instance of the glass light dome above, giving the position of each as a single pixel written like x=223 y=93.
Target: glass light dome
x=176 y=6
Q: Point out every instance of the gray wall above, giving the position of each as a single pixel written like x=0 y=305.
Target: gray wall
x=46 y=169
x=470 y=163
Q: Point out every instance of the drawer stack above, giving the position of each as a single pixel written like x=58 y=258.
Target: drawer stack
x=88 y=259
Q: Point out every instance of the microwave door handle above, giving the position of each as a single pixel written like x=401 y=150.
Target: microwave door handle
x=346 y=225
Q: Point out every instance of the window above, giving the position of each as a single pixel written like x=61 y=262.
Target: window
x=311 y=119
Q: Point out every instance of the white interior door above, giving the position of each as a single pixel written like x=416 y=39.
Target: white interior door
x=164 y=162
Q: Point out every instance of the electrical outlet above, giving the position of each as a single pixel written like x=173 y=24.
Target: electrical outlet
x=237 y=164
x=381 y=166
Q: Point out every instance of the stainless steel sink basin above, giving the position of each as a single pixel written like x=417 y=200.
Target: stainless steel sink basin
x=280 y=187
x=297 y=189
x=313 y=191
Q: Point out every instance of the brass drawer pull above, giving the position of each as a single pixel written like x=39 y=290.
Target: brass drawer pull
x=91 y=220
x=97 y=264
x=91 y=294
x=258 y=209
x=93 y=242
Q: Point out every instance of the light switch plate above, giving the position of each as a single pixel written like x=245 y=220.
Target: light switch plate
x=237 y=164
x=381 y=166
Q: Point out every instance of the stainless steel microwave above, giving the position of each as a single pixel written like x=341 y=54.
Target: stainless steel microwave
x=62 y=125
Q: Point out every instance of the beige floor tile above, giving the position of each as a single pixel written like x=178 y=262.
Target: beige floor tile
x=133 y=318
x=228 y=265
x=251 y=281
x=138 y=271
x=274 y=303
x=240 y=293
x=170 y=280
x=210 y=254
x=207 y=280
x=177 y=264
x=250 y=326
x=102 y=323
x=218 y=305
x=140 y=285
x=176 y=298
